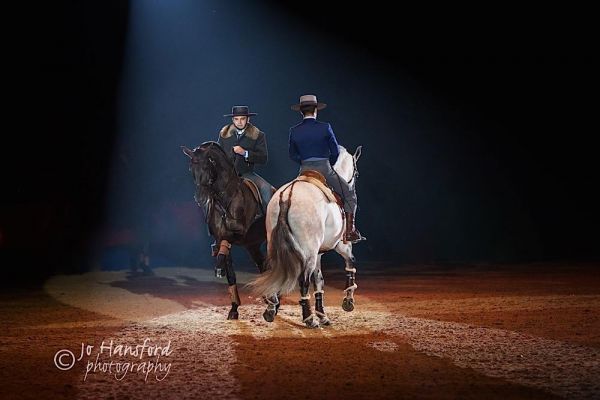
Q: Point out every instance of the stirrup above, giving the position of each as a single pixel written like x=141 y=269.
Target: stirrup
x=360 y=237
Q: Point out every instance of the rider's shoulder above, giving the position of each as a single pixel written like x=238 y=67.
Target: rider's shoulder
x=323 y=126
x=253 y=132
x=302 y=123
x=226 y=131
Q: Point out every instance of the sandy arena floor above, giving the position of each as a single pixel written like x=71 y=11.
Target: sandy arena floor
x=427 y=332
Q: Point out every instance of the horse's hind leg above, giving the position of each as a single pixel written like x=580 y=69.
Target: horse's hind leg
x=319 y=282
x=345 y=250
x=273 y=300
x=272 y=307
x=308 y=317
x=257 y=256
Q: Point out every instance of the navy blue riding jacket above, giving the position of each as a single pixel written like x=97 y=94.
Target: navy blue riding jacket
x=313 y=139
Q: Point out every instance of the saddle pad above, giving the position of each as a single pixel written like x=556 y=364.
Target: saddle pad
x=314 y=174
x=326 y=191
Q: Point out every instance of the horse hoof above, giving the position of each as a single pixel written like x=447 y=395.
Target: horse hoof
x=348 y=304
x=323 y=318
x=269 y=315
x=233 y=315
x=311 y=323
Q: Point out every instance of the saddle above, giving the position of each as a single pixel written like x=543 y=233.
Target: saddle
x=317 y=179
x=256 y=193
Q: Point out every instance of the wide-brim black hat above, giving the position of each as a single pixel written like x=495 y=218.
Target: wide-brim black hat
x=240 y=111
x=308 y=100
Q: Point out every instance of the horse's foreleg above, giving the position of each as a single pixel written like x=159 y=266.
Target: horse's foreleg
x=224 y=267
x=319 y=282
x=307 y=316
x=222 y=255
x=345 y=250
x=233 y=290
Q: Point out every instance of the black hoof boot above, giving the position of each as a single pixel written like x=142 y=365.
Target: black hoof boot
x=323 y=319
x=309 y=319
x=233 y=313
x=312 y=322
x=272 y=308
x=348 y=304
x=269 y=315
x=320 y=311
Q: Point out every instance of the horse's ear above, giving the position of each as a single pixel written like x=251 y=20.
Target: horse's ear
x=187 y=152
x=357 y=153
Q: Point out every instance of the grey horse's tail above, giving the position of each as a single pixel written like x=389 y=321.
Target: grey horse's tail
x=284 y=262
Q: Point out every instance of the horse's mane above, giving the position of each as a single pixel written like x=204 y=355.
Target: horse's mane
x=215 y=149
x=208 y=145
x=342 y=150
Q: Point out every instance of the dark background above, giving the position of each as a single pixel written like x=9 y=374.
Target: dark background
x=477 y=126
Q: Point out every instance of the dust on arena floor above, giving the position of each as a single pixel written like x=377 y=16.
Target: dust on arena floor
x=518 y=331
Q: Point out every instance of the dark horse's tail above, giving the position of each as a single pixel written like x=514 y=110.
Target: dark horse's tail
x=284 y=262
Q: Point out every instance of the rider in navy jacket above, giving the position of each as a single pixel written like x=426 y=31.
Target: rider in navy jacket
x=312 y=138
x=313 y=145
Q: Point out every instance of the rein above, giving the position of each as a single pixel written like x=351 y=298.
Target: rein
x=220 y=199
x=354 y=171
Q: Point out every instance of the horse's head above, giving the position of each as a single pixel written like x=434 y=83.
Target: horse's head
x=345 y=165
x=207 y=164
x=202 y=166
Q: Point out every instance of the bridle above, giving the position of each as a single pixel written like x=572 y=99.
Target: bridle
x=354 y=171
x=214 y=196
x=212 y=163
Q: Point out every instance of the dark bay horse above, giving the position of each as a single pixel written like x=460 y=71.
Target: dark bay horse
x=233 y=214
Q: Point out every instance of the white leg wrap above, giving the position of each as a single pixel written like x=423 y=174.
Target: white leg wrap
x=309 y=318
x=323 y=319
x=351 y=288
x=270 y=304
